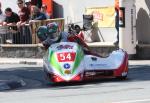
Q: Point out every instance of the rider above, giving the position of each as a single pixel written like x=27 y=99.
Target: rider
x=50 y=34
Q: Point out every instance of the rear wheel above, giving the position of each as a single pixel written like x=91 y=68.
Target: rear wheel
x=124 y=74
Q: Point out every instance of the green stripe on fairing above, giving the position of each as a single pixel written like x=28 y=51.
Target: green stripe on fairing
x=79 y=57
x=54 y=63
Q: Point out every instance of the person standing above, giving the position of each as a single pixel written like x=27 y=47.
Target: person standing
x=117 y=21
x=10 y=22
x=36 y=14
x=24 y=13
x=44 y=10
x=11 y=17
x=37 y=3
x=28 y=5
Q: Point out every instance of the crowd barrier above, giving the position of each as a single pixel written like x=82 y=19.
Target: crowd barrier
x=35 y=24
x=15 y=35
x=25 y=34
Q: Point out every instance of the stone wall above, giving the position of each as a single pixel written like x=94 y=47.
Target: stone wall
x=38 y=51
x=22 y=52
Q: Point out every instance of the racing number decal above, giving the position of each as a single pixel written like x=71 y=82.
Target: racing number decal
x=66 y=57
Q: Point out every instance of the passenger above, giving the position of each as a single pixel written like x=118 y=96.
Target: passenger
x=49 y=34
x=36 y=14
x=2 y=16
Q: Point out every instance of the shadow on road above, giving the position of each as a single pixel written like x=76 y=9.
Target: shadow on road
x=34 y=77
x=139 y=73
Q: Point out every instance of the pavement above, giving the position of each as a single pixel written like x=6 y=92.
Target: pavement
x=32 y=61
x=11 y=82
x=39 y=61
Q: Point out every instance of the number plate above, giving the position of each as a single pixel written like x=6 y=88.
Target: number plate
x=66 y=57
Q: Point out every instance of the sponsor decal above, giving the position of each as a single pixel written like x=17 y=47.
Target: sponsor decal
x=90 y=73
x=60 y=47
x=97 y=65
x=67 y=66
x=67 y=71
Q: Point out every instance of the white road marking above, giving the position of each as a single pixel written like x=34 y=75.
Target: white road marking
x=134 y=101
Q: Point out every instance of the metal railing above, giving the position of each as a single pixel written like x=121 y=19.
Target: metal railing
x=15 y=35
x=25 y=34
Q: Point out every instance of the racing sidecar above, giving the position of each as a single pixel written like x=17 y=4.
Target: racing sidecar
x=67 y=62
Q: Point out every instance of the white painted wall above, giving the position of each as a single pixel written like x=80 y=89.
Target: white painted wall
x=74 y=9
x=9 y=3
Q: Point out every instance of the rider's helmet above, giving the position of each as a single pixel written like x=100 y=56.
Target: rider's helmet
x=52 y=30
x=52 y=27
x=42 y=33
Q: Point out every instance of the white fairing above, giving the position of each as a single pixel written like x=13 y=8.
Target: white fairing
x=81 y=62
x=63 y=47
x=113 y=61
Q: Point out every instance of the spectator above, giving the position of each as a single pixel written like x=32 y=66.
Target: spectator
x=117 y=21
x=28 y=5
x=37 y=3
x=44 y=10
x=36 y=14
x=11 y=20
x=24 y=13
x=11 y=17
x=2 y=16
x=24 y=32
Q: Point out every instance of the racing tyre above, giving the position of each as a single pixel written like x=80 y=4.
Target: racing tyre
x=121 y=77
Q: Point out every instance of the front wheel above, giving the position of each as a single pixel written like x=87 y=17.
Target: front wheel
x=121 y=77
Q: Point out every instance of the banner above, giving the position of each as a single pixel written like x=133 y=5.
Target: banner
x=105 y=16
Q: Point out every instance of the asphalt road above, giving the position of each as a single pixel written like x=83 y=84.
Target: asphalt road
x=136 y=89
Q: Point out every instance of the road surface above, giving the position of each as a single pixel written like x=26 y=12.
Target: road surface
x=136 y=89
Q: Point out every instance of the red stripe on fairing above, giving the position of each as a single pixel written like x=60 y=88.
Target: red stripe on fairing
x=123 y=67
x=54 y=78
x=77 y=78
x=58 y=79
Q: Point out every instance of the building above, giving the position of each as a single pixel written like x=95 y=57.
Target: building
x=72 y=10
